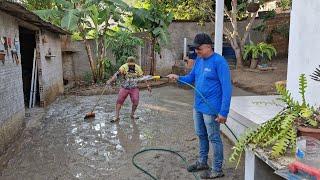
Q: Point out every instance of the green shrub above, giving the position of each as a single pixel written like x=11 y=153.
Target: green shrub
x=260 y=50
x=87 y=77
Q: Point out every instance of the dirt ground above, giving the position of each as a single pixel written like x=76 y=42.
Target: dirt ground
x=62 y=145
x=59 y=144
x=254 y=81
x=261 y=82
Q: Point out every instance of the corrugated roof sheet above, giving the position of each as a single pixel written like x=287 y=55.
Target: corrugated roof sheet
x=17 y=10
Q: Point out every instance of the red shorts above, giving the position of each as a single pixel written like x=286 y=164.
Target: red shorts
x=134 y=95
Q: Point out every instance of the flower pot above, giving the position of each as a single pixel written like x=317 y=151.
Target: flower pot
x=253 y=7
x=311 y=132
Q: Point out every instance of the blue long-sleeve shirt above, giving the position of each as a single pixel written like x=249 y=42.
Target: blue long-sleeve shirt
x=211 y=77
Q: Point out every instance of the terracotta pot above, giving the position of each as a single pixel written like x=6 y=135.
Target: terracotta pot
x=311 y=132
x=253 y=7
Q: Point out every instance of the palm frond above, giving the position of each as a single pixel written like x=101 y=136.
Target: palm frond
x=316 y=74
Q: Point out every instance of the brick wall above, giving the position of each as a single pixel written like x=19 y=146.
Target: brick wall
x=11 y=88
x=51 y=78
x=11 y=93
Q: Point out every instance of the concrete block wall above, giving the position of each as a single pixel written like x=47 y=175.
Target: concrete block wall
x=185 y=29
x=80 y=59
x=11 y=89
x=68 y=66
x=80 y=62
x=178 y=30
x=51 y=79
x=174 y=51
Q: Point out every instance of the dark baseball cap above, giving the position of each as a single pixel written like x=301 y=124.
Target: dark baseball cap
x=201 y=38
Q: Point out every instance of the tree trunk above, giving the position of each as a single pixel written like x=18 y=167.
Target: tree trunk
x=235 y=45
x=92 y=65
x=89 y=53
x=100 y=57
x=253 y=63
x=239 y=58
x=153 y=59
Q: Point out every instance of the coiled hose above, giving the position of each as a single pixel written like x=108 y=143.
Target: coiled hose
x=173 y=151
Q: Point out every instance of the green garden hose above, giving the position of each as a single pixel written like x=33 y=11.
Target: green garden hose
x=172 y=151
x=208 y=104
x=157 y=149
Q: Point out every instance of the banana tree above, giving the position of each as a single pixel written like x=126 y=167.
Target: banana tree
x=97 y=24
x=154 y=20
x=90 y=18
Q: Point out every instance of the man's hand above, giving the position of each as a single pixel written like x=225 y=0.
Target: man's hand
x=221 y=119
x=173 y=76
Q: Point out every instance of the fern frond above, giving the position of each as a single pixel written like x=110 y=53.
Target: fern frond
x=288 y=121
x=273 y=139
x=270 y=127
x=288 y=141
x=292 y=136
x=285 y=95
x=285 y=125
x=280 y=146
x=316 y=74
x=239 y=147
x=312 y=122
x=302 y=88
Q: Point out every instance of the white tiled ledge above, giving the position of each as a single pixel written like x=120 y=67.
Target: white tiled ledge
x=250 y=112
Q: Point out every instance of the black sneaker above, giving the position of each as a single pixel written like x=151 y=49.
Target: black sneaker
x=197 y=167
x=211 y=174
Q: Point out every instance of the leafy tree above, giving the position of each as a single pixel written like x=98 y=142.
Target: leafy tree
x=284 y=4
x=193 y=9
x=235 y=10
x=38 y=4
x=90 y=19
x=154 y=19
x=237 y=40
x=122 y=44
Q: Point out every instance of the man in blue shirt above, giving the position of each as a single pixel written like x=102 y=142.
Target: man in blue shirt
x=211 y=77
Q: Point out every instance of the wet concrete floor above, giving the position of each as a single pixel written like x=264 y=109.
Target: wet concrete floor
x=65 y=146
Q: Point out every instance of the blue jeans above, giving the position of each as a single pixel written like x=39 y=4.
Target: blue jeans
x=208 y=130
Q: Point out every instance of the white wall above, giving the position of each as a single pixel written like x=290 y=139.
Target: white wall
x=304 y=47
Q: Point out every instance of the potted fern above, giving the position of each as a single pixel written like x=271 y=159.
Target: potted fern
x=280 y=132
x=261 y=51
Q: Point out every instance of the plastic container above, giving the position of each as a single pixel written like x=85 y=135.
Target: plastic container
x=308 y=151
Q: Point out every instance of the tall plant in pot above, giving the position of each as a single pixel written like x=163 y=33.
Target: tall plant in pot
x=262 y=51
x=281 y=131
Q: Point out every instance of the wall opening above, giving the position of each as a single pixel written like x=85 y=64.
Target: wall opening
x=28 y=44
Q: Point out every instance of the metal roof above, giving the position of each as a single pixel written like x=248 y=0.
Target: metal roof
x=18 y=11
